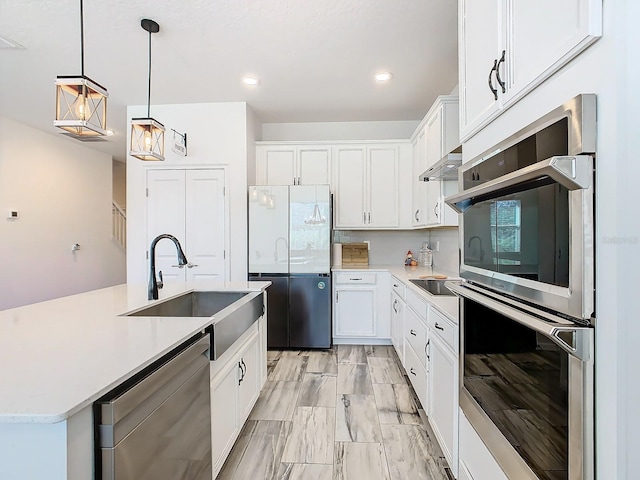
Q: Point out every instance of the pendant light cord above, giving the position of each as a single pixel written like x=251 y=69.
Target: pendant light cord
x=81 y=39
x=149 y=90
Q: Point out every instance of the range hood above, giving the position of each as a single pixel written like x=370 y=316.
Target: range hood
x=444 y=169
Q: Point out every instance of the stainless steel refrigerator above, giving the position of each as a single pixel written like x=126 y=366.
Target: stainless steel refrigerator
x=290 y=245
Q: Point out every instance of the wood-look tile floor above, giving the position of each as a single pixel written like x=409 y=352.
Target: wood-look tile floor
x=348 y=413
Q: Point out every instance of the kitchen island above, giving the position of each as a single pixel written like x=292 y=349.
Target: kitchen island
x=58 y=357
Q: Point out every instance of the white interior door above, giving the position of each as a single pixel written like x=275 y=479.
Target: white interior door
x=205 y=225
x=190 y=205
x=165 y=214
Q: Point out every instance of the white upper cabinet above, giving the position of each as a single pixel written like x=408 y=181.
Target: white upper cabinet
x=288 y=164
x=480 y=40
x=419 y=187
x=437 y=135
x=366 y=185
x=508 y=47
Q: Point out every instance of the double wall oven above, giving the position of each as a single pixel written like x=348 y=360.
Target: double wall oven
x=527 y=311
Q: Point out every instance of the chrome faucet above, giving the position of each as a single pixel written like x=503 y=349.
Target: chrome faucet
x=182 y=260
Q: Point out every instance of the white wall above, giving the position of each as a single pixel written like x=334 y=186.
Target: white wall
x=217 y=134
x=62 y=192
x=611 y=69
x=317 y=131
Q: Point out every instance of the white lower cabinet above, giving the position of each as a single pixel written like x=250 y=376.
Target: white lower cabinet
x=416 y=334
x=235 y=386
x=443 y=403
x=397 y=324
x=443 y=384
x=355 y=314
x=361 y=307
x=476 y=462
x=417 y=374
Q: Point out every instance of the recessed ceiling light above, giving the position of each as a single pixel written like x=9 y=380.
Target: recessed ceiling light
x=251 y=81
x=382 y=77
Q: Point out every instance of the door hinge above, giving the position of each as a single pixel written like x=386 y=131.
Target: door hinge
x=147 y=192
x=224 y=254
x=147 y=254
x=224 y=191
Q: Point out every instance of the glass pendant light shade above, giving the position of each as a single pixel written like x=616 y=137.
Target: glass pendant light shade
x=81 y=103
x=147 y=139
x=81 y=106
x=147 y=134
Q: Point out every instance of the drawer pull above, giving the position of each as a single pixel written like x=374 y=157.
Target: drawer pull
x=355 y=279
x=413 y=332
x=412 y=371
x=396 y=285
x=439 y=327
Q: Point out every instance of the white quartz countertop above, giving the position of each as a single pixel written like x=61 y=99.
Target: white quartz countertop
x=445 y=304
x=59 y=356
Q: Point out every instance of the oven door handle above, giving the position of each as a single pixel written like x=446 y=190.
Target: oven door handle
x=573 y=172
x=574 y=339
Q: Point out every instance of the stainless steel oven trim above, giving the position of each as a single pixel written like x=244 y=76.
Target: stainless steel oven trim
x=582 y=337
x=581 y=408
x=578 y=299
x=581 y=112
x=573 y=172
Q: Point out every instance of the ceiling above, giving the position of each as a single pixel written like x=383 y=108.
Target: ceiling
x=315 y=58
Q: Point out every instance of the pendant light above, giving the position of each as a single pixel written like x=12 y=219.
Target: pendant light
x=81 y=103
x=147 y=134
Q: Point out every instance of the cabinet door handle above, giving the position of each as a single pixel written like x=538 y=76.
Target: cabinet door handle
x=412 y=371
x=416 y=215
x=179 y=266
x=435 y=209
x=355 y=279
x=500 y=82
x=337 y=296
x=241 y=373
x=493 y=90
x=413 y=332
x=364 y=217
x=427 y=349
x=395 y=302
x=191 y=265
x=439 y=327
x=245 y=368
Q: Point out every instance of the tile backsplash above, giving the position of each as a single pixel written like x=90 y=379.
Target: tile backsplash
x=390 y=247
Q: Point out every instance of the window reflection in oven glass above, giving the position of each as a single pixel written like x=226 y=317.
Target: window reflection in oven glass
x=520 y=379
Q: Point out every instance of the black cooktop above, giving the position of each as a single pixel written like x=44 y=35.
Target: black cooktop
x=434 y=287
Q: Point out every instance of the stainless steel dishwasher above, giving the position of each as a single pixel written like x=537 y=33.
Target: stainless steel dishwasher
x=157 y=425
